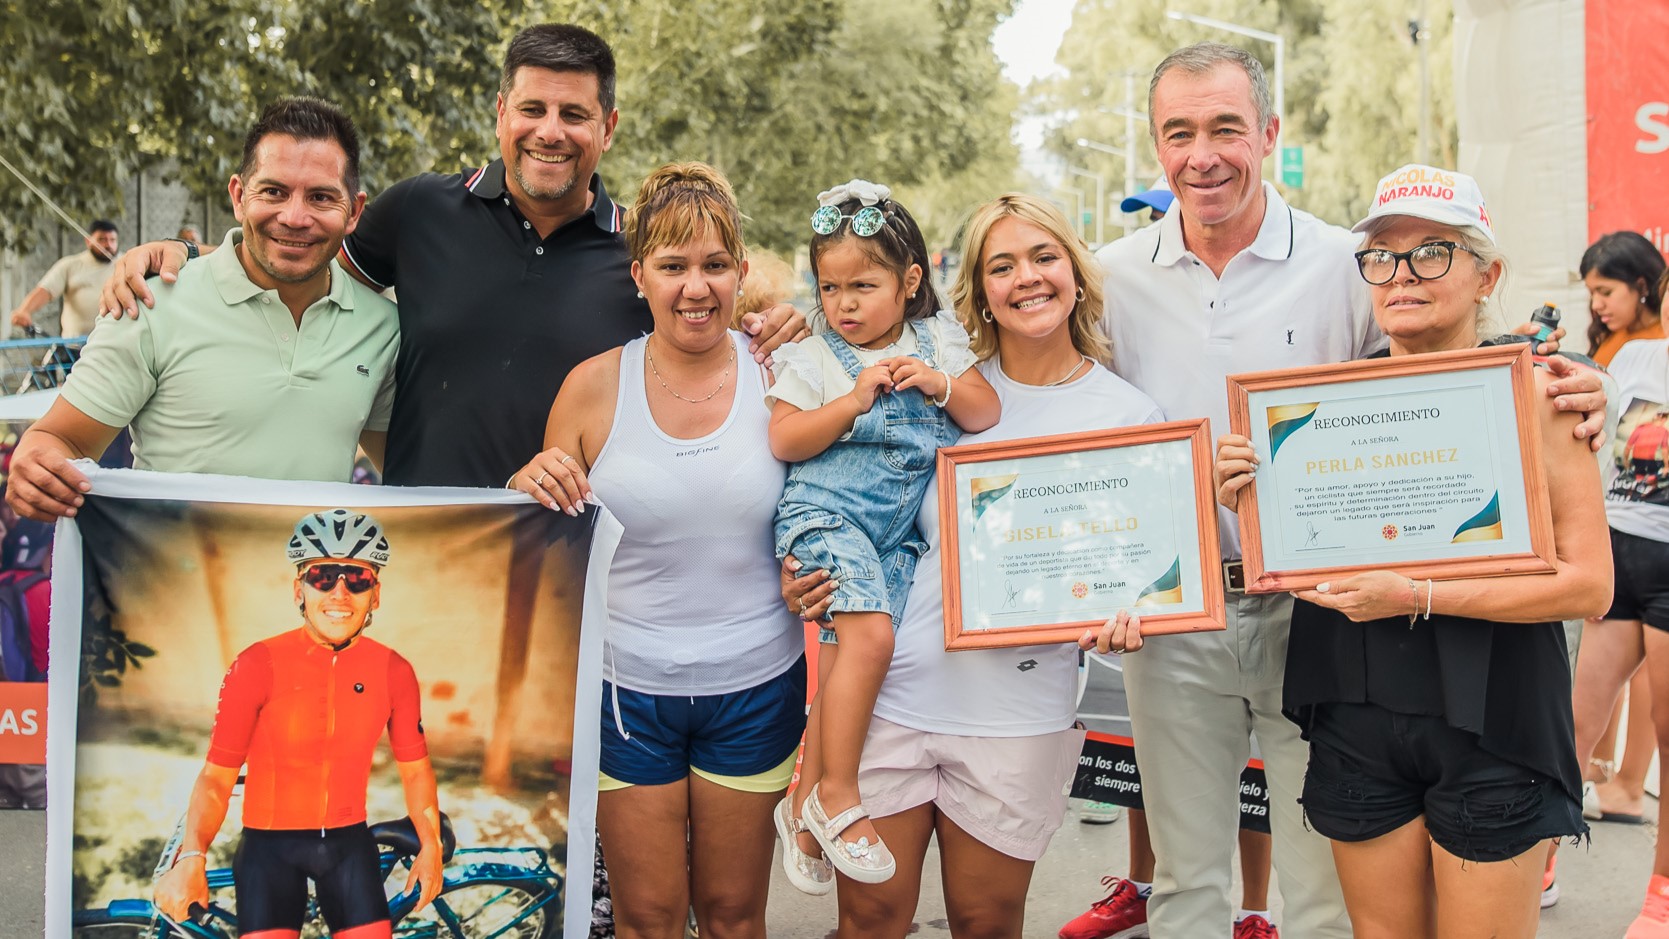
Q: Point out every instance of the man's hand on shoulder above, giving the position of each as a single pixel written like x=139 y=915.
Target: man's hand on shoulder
x=126 y=286
x=773 y=327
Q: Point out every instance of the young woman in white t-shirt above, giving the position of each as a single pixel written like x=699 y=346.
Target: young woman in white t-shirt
x=970 y=746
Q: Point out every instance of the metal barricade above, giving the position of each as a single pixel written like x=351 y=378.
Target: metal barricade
x=37 y=363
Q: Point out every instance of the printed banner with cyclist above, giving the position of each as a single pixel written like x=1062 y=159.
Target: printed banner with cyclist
x=323 y=706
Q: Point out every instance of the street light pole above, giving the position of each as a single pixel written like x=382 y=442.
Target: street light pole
x=1280 y=57
x=1100 y=201
x=1078 y=219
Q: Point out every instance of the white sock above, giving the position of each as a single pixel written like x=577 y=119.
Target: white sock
x=1142 y=890
x=1245 y=913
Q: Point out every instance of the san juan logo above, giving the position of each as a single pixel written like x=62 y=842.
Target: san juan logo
x=1286 y=420
x=1080 y=590
x=984 y=491
x=1390 y=532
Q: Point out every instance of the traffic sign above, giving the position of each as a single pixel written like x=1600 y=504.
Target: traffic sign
x=1292 y=167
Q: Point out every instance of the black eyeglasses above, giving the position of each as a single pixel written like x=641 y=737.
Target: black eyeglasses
x=323 y=577
x=1429 y=261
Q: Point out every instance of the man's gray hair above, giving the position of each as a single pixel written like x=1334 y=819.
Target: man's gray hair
x=1201 y=58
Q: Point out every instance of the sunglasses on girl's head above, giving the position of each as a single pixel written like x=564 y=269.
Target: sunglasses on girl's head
x=323 y=577
x=865 y=221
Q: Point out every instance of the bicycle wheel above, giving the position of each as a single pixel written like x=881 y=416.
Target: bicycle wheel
x=488 y=910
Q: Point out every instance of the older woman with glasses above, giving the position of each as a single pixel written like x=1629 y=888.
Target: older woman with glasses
x=1442 y=755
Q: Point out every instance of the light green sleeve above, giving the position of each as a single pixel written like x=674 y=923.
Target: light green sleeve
x=117 y=372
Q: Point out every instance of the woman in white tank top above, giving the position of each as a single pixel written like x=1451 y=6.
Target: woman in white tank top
x=704 y=700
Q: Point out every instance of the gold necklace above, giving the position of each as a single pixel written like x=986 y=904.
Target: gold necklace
x=650 y=355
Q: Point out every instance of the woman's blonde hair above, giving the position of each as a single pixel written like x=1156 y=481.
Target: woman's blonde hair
x=770 y=281
x=968 y=292
x=679 y=202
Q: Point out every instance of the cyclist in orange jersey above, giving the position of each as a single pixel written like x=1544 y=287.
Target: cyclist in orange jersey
x=304 y=711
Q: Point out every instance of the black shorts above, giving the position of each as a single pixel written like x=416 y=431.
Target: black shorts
x=1642 y=579
x=271 y=869
x=1373 y=771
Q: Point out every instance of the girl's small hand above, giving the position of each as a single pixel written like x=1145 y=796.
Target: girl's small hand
x=1121 y=634
x=871 y=382
x=911 y=372
x=556 y=479
x=1236 y=462
x=1369 y=596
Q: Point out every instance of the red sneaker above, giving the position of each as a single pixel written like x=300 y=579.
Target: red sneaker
x=1255 y=926
x=1122 y=914
x=1653 y=921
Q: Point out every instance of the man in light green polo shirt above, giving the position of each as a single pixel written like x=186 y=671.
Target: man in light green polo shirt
x=263 y=360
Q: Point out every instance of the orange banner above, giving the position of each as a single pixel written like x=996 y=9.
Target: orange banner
x=22 y=722
x=1628 y=119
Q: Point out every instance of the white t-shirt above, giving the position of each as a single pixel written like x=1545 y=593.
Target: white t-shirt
x=1637 y=475
x=808 y=375
x=1010 y=692
x=1293 y=298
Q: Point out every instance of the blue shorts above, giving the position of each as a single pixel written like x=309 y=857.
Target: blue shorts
x=869 y=582
x=742 y=733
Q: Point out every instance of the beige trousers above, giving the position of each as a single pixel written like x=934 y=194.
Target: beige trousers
x=1195 y=700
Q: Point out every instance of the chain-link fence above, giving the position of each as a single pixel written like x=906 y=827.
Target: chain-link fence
x=153 y=206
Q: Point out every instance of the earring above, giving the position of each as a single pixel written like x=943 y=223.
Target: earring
x=912 y=295
x=302 y=607
x=367 y=622
x=640 y=295
x=985 y=314
x=1079 y=296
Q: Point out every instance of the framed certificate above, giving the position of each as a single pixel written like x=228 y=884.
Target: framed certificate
x=1427 y=465
x=1045 y=537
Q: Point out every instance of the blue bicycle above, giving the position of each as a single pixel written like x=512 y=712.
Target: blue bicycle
x=487 y=893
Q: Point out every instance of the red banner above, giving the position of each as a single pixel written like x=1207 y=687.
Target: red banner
x=22 y=722
x=1628 y=119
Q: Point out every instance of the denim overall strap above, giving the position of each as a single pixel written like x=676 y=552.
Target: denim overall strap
x=844 y=355
x=925 y=349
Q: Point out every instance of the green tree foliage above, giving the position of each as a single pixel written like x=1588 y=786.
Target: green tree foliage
x=1352 y=84
x=96 y=89
x=786 y=97
x=789 y=98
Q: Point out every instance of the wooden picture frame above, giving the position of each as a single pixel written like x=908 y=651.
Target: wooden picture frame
x=1045 y=537
x=1438 y=453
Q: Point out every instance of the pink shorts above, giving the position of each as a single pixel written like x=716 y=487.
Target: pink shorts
x=1008 y=792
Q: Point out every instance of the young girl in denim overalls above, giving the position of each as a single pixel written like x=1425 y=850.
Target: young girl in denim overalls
x=861 y=410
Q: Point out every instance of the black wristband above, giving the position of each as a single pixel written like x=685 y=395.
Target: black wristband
x=190 y=248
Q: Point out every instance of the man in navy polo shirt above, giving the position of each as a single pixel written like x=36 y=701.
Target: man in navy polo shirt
x=507 y=276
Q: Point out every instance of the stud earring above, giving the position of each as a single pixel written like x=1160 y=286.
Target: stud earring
x=640 y=295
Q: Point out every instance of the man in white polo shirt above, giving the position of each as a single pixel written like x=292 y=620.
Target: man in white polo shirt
x=1231 y=280
x=263 y=360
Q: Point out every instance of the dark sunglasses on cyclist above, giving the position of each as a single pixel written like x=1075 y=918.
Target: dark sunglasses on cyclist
x=865 y=221
x=323 y=577
x=1430 y=261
